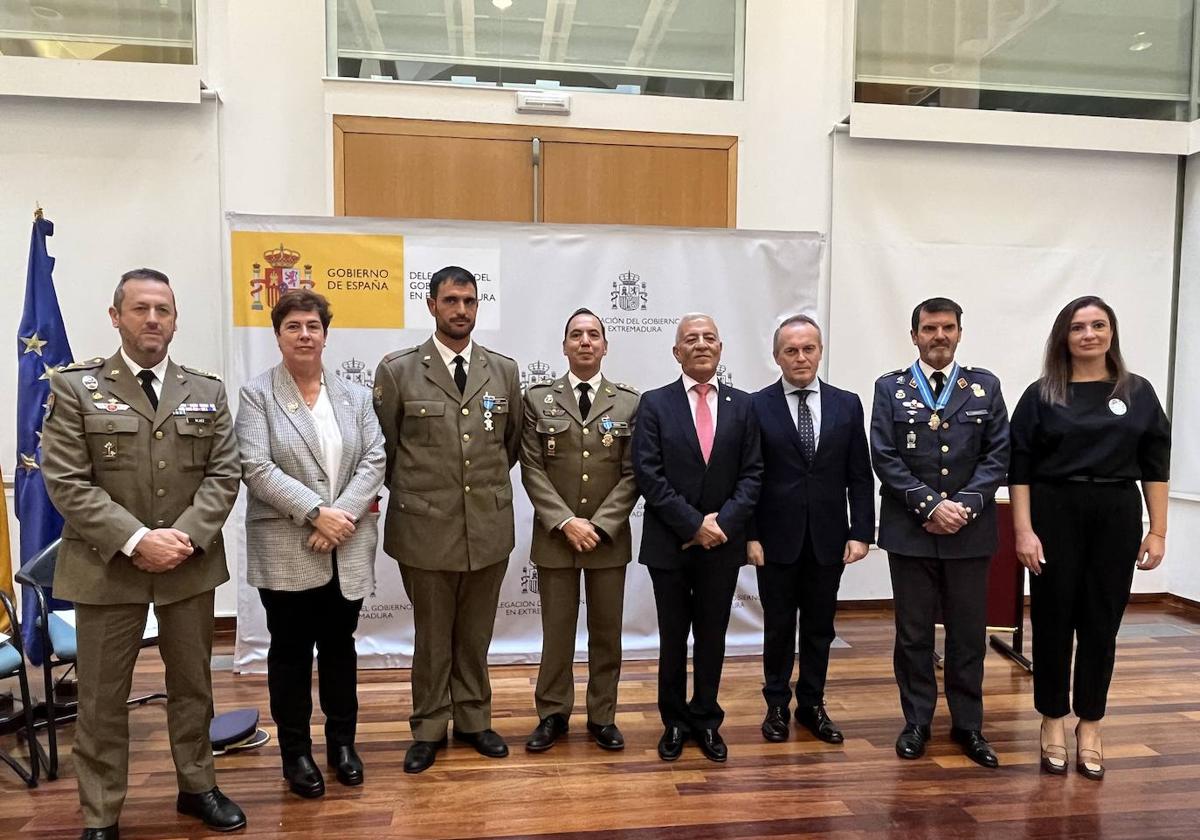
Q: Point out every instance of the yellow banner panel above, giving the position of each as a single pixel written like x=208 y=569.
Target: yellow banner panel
x=362 y=275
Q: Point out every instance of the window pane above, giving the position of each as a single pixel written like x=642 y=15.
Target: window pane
x=1127 y=58
x=668 y=47
x=155 y=31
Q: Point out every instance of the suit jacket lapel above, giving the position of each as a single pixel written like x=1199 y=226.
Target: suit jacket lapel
x=347 y=422
x=725 y=422
x=174 y=391
x=437 y=372
x=782 y=410
x=287 y=394
x=478 y=375
x=122 y=384
x=565 y=399
x=830 y=415
x=603 y=400
x=958 y=397
x=683 y=416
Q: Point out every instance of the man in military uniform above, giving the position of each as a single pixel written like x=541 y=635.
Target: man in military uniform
x=447 y=411
x=139 y=456
x=939 y=443
x=577 y=468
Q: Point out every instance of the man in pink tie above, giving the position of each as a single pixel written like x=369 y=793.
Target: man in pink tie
x=698 y=462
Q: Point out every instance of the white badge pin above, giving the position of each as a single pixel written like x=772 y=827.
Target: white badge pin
x=90 y=383
x=900 y=394
x=1117 y=407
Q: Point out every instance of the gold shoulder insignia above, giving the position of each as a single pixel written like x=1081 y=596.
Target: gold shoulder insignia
x=90 y=364
x=199 y=372
x=626 y=387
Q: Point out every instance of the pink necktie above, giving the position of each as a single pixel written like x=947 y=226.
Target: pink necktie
x=704 y=420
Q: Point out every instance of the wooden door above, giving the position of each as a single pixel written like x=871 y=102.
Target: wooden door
x=450 y=170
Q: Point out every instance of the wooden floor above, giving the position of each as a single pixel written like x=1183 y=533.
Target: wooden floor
x=801 y=788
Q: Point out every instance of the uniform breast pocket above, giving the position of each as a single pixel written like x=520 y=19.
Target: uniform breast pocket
x=420 y=420
x=193 y=442
x=550 y=434
x=112 y=440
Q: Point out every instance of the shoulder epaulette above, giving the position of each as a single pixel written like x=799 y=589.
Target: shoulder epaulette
x=626 y=387
x=898 y=372
x=501 y=355
x=978 y=369
x=90 y=364
x=208 y=374
x=407 y=351
x=541 y=383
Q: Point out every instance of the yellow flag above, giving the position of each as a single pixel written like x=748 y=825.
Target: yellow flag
x=6 y=568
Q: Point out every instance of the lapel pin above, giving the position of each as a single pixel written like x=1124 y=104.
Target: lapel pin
x=962 y=383
x=728 y=399
x=426 y=358
x=293 y=406
x=548 y=400
x=113 y=372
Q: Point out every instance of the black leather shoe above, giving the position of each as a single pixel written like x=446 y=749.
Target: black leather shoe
x=419 y=757
x=347 y=764
x=551 y=728
x=107 y=833
x=775 y=725
x=712 y=745
x=816 y=720
x=975 y=747
x=488 y=742
x=607 y=737
x=911 y=743
x=215 y=809
x=303 y=777
x=670 y=745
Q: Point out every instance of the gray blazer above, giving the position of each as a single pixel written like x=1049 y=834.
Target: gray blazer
x=285 y=474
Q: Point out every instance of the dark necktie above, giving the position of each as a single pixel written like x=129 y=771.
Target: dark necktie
x=460 y=374
x=939 y=382
x=147 y=377
x=804 y=425
x=585 y=401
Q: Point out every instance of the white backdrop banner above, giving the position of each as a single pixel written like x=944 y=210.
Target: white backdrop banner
x=638 y=280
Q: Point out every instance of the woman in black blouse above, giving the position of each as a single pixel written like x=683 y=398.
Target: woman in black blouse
x=1082 y=437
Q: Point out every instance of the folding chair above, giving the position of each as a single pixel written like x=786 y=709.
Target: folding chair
x=12 y=664
x=59 y=644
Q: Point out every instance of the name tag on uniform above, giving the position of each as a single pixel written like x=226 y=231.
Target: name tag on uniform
x=979 y=413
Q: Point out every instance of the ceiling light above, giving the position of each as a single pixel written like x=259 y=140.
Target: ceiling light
x=1140 y=42
x=502 y=4
x=46 y=13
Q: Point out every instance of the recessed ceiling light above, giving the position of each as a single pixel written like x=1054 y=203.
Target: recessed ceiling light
x=1138 y=46
x=46 y=13
x=502 y=4
x=941 y=69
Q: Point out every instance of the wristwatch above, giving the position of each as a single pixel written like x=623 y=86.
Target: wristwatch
x=312 y=515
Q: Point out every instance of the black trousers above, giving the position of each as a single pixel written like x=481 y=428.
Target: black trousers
x=810 y=589
x=297 y=621
x=1090 y=536
x=695 y=598
x=926 y=588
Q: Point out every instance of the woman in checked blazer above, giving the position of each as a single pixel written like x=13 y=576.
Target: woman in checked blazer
x=313 y=460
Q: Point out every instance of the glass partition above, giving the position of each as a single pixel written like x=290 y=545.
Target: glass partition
x=1113 y=58
x=154 y=31
x=689 y=48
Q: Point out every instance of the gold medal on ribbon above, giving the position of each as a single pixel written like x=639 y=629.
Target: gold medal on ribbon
x=934 y=421
x=607 y=440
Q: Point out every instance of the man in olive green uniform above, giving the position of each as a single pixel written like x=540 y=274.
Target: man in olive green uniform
x=139 y=456
x=447 y=412
x=577 y=470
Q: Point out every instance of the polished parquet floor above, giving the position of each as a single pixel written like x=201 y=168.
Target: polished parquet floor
x=801 y=788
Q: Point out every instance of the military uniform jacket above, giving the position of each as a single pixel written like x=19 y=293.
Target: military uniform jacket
x=572 y=467
x=448 y=474
x=965 y=459
x=112 y=465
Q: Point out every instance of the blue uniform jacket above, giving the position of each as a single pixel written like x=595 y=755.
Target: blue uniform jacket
x=965 y=459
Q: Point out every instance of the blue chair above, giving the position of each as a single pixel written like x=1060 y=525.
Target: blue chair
x=12 y=664
x=60 y=647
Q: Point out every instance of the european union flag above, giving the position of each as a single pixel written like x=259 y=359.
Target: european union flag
x=42 y=348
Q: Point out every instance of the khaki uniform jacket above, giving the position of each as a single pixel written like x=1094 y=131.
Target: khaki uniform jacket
x=111 y=471
x=448 y=475
x=575 y=468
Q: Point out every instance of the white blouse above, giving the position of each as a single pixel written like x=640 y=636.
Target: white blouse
x=331 y=438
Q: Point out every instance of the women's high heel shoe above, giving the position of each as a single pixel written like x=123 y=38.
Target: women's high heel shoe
x=1054 y=758
x=1089 y=763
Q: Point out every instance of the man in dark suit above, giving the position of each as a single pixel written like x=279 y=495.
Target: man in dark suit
x=939 y=441
x=698 y=462
x=815 y=459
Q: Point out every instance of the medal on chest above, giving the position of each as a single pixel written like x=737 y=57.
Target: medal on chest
x=488 y=402
x=938 y=404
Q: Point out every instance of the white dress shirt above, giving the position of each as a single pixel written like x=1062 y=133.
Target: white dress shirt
x=448 y=355
x=694 y=398
x=330 y=435
x=929 y=371
x=575 y=382
x=159 y=371
x=814 y=406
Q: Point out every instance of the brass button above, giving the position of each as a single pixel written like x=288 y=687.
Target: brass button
x=422 y=411
x=161 y=522
x=466 y=437
x=944 y=494
x=587 y=454
x=585 y=431
x=945 y=471
x=583 y=501
x=945 y=448
x=111 y=427
x=162 y=465
x=910 y=420
x=585 y=476
x=922 y=504
x=968 y=510
x=160 y=492
x=467 y=488
x=158 y=435
x=929 y=498
x=402 y=506
x=946 y=425
x=466 y=411
x=467 y=462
